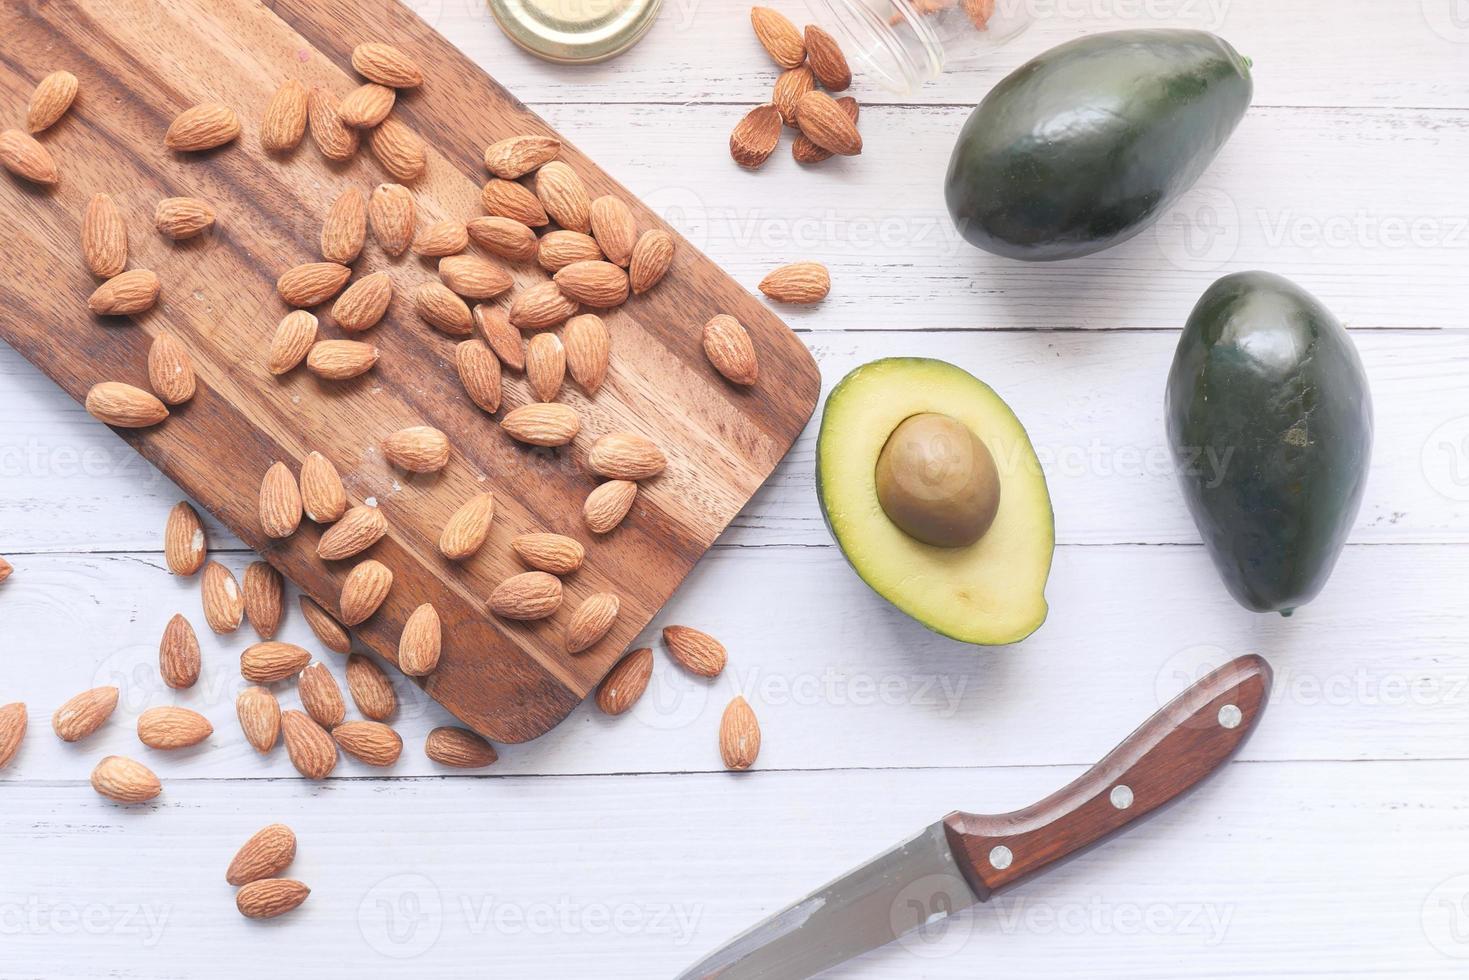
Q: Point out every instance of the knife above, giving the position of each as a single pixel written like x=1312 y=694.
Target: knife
x=967 y=858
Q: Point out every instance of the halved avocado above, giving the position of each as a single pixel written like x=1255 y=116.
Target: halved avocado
x=991 y=591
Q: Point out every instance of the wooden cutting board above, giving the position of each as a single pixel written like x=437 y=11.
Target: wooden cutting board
x=140 y=63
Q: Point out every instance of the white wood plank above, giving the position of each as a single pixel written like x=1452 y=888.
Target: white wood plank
x=1267 y=871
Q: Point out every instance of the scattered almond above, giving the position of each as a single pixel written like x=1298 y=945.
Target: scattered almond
x=202 y=128
x=124 y=406
x=124 y=294
x=651 y=257
x=418 y=449
x=826 y=60
x=340 y=360
x=363 y=303
x=332 y=136
x=53 y=95
x=390 y=212
x=270 y=897
x=84 y=713
x=545 y=365
x=503 y=338
x=267 y=853
x=459 y=747
x=789 y=87
x=442 y=238
x=172 y=727
x=441 y=308
x=386 y=65
x=728 y=346
x=265 y=598
x=399 y=149
x=479 y=372
x=371 y=742
x=367 y=105
x=224 y=603
x=285 y=118
x=591 y=621
x=519 y=155
x=507 y=199
x=344 y=231
x=588 y=350
x=739 y=735
x=371 y=690
x=626 y=682
x=420 y=643
x=808 y=152
x=323 y=498
x=321 y=697
x=363 y=591
x=280 y=502
x=474 y=277
x=183 y=540
x=104 y=237
x=125 y=781
x=827 y=124
x=564 y=196
x=311 y=749
x=542 y=424
x=560 y=248
x=292 y=341
x=260 y=717
x=332 y=634
x=695 y=650
x=755 y=136
x=312 y=283
x=778 y=36
x=527 y=596
x=24 y=157
x=182 y=217
x=799 y=282
x=541 y=307
x=358 y=529
x=178 y=654
x=13 y=722
x=626 y=456
x=272 y=660
x=607 y=505
x=5 y=569
x=467 y=529
x=554 y=553
x=599 y=284
x=614 y=229
x=170 y=370
x=505 y=237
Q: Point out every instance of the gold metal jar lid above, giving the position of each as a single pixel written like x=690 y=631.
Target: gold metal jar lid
x=575 y=31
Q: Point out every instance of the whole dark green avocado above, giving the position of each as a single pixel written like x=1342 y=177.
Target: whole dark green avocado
x=1085 y=145
x=1270 y=423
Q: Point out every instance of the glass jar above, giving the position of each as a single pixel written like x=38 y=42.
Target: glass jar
x=904 y=43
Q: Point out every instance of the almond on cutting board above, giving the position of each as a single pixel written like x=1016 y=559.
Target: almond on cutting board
x=50 y=99
x=310 y=748
x=272 y=660
x=591 y=621
x=184 y=547
x=441 y=308
x=363 y=591
x=607 y=505
x=386 y=65
x=420 y=642
x=344 y=231
x=508 y=199
x=104 y=237
x=564 y=196
x=728 y=346
x=598 y=284
x=826 y=60
x=789 y=87
x=517 y=156
x=806 y=152
x=172 y=727
x=651 y=257
x=367 y=105
x=473 y=277
x=390 y=212
x=502 y=336
x=588 y=350
x=545 y=365
x=778 y=36
x=332 y=136
x=614 y=229
x=400 y=150
x=267 y=853
x=341 y=360
x=479 y=373
x=459 y=747
x=541 y=307
x=554 y=553
x=332 y=634
x=24 y=157
x=126 y=293
x=84 y=713
x=739 y=735
x=320 y=696
x=357 y=530
x=293 y=340
x=755 y=136
x=505 y=237
x=625 y=682
x=202 y=127
x=178 y=654
x=363 y=303
x=260 y=717
x=527 y=596
x=370 y=742
x=280 y=502
x=323 y=498
x=312 y=283
x=798 y=282
x=170 y=370
x=124 y=780
x=560 y=248
x=468 y=527
x=224 y=603
x=13 y=721
x=417 y=449
x=827 y=124
x=695 y=650
x=542 y=424
x=626 y=456
x=370 y=687
x=442 y=238
x=179 y=218
x=124 y=406
x=265 y=598
x=285 y=117
x=270 y=897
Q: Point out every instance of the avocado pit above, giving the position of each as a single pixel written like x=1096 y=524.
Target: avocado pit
x=937 y=481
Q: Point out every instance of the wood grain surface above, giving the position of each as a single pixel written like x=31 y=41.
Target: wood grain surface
x=140 y=64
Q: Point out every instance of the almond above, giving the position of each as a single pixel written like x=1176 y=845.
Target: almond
x=542 y=424
x=739 y=735
x=367 y=105
x=84 y=713
x=755 y=136
x=799 y=282
x=172 y=727
x=503 y=338
x=311 y=749
x=285 y=118
x=564 y=196
x=626 y=682
x=418 y=449
x=560 y=248
x=591 y=621
x=270 y=897
x=519 y=155
x=474 y=277
x=728 y=346
x=808 y=152
x=178 y=654
x=332 y=634
x=827 y=124
x=399 y=149
x=53 y=95
x=182 y=217
x=280 y=502
x=345 y=229
x=459 y=747
x=442 y=238
x=391 y=214
x=371 y=742
x=323 y=498
x=588 y=350
x=467 y=529
x=312 y=283
x=340 y=360
x=5 y=569
x=363 y=303
x=789 y=87
x=420 y=643
x=292 y=341
x=224 y=604
x=554 y=553
x=320 y=696
x=170 y=370
x=267 y=853
x=778 y=36
x=359 y=529
x=124 y=294
x=271 y=661
x=442 y=309
x=545 y=365
x=695 y=650
x=527 y=596
x=607 y=505
x=826 y=60
x=104 y=238
x=541 y=307
x=260 y=717
x=265 y=598
x=386 y=65
x=125 y=781
x=202 y=128
x=371 y=690
x=12 y=731
x=599 y=284
x=651 y=257
x=614 y=229
x=507 y=199
x=363 y=591
x=183 y=540
x=479 y=372
x=124 y=406
x=505 y=237
x=626 y=456
x=333 y=137
x=24 y=157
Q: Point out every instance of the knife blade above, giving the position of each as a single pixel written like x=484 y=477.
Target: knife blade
x=966 y=858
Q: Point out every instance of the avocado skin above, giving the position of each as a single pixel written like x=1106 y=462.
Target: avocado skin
x=1265 y=374
x=1087 y=144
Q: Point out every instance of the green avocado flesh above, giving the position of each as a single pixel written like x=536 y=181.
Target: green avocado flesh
x=990 y=592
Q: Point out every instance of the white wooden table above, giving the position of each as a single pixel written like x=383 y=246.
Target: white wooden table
x=617 y=848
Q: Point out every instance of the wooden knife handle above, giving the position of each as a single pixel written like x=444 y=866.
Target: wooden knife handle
x=1186 y=741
